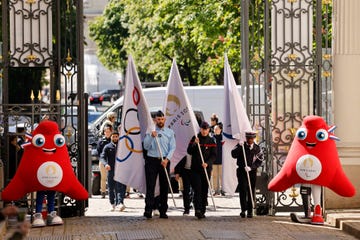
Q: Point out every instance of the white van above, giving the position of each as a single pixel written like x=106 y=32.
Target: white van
x=205 y=99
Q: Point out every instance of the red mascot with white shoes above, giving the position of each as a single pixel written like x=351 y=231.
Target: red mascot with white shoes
x=313 y=161
x=45 y=167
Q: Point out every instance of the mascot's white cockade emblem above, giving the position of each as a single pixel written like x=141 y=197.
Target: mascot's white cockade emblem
x=49 y=174
x=308 y=167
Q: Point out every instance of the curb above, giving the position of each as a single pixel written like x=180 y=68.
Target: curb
x=351 y=227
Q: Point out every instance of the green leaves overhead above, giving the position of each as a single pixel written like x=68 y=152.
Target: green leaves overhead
x=196 y=33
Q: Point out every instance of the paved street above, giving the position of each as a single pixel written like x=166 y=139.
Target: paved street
x=224 y=223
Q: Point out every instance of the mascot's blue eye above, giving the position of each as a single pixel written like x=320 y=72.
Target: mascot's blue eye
x=301 y=133
x=322 y=135
x=38 y=140
x=59 y=140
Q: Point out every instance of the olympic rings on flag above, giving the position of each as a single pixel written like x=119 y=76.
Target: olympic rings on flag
x=131 y=149
x=130 y=152
x=136 y=96
x=124 y=123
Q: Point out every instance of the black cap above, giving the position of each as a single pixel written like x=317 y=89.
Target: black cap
x=204 y=125
x=250 y=135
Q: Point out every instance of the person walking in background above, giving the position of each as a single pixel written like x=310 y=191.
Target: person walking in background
x=199 y=181
x=161 y=139
x=99 y=148
x=214 y=120
x=254 y=158
x=116 y=189
x=217 y=166
x=183 y=170
x=110 y=120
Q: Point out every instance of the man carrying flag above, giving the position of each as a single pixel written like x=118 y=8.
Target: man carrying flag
x=160 y=146
x=249 y=158
x=236 y=124
x=180 y=118
x=136 y=122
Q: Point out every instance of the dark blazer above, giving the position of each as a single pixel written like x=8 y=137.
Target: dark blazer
x=208 y=149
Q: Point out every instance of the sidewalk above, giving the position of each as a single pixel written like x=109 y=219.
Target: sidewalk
x=222 y=223
x=346 y=220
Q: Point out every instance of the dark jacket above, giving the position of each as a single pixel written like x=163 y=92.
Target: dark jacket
x=208 y=149
x=254 y=156
x=108 y=155
x=219 y=147
x=101 y=144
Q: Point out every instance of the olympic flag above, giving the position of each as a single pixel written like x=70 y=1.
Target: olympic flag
x=235 y=124
x=179 y=114
x=136 y=122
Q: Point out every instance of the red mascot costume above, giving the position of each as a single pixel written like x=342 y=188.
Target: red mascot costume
x=313 y=160
x=45 y=167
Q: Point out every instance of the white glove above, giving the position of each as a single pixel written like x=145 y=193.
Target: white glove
x=247 y=169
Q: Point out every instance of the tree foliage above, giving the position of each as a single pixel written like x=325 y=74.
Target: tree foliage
x=196 y=33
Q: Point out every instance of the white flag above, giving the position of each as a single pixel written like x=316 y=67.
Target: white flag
x=179 y=115
x=235 y=124
x=136 y=122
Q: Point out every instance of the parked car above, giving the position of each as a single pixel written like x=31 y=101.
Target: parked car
x=96 y=98
x=110 y=94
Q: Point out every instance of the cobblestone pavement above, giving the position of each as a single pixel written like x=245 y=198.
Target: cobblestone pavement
x=222 y=223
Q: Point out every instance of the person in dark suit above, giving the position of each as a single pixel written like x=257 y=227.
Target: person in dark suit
x=199 y=180
x=254 y=158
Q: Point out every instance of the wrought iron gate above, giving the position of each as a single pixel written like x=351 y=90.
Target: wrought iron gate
x=286 y=57
x=46 y=35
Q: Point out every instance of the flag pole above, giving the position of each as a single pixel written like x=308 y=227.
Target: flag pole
x=207 y=176
x=166 y=172
x=248 y=177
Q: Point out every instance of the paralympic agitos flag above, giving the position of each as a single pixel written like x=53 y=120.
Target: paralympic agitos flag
x=136 y=122
x=179 y=115
x=235 y=124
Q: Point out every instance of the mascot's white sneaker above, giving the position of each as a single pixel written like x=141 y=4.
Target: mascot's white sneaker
x=38 y=221
x=317 y=217
x=54 y=219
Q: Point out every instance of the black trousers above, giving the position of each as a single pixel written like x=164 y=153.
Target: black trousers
x=244 y=191
x=153 y=169
x=187 y=195
x=200 y=187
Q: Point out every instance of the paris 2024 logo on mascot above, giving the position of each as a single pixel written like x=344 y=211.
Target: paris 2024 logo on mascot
x=313 y=160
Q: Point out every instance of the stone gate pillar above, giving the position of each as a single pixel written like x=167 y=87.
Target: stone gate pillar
x=346 y=96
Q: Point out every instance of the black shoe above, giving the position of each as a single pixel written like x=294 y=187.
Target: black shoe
x=242 y=214
x=147 y=215
x=249 y=216
x=164 y=215
x=103 y=195
x=186 y=212
x=199 y=215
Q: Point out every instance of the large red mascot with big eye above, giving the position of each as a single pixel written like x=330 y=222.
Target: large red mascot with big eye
x=45 y=168
x=313 y=160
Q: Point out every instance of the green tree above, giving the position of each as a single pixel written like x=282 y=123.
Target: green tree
x=109 y=32
x=196 y=33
